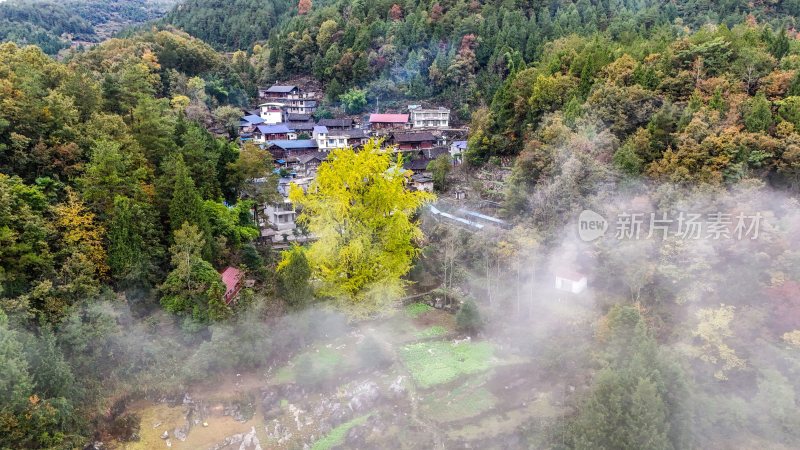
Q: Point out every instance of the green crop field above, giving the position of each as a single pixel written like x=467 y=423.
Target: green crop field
x=432 y=363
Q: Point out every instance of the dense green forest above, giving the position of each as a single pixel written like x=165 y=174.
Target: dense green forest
x=231 y=25
x=53 y=26
x=456 y=51
x=107 y=176
x=119 y=205
x=715 y=106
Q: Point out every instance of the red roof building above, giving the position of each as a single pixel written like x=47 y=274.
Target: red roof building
x=232 y=279
x=384 y=121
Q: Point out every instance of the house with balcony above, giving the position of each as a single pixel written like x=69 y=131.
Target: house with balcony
x=294 y=99
x=278 y=221
x=426 y=118
x=328 y=140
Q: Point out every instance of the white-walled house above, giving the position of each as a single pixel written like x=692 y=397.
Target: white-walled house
x=457 y=149
x=280 y=216
x=328 y=140
x=570 y=281
x=271 y=112
x=429 y=117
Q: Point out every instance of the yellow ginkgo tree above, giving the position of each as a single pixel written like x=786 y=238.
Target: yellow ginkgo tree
x=360 y=211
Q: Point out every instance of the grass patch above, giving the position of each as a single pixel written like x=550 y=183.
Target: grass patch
x=499 y=424
x=415 y=310
x=432 y=363
x=337 y=435
x=461 y=403
x=436 y=330
x=324 y=361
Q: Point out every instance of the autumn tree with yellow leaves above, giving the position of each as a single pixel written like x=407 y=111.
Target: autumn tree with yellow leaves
x=361 y=212
x=80 y=232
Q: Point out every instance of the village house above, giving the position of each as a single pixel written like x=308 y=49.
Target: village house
x=233 y=279
x=285 y=183
x=308 y=164
x=277 y=91
x=290 y=148
x=300 y=128
x=251 y=112
x=422 y=118
x=417 y=165
x=328 y=140
x=433 y=153
x=336 y=124
x=248 y=123
x=271 y=112
x=357 y=137
x=413 y=141
x=293 y=99
x=570 y=281
x=457 y=149
x=295 y=117
x=280 y=215
x=264 y=133
x=422 y=182
x=388 y=122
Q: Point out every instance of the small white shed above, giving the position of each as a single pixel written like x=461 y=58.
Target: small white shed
x=570 y=281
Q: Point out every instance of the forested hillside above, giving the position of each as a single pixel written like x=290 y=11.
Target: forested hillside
x=55 y=25
x=231 y=25
x=715 y=106
x=109 y=180
x=126 y=194
x=458 y=51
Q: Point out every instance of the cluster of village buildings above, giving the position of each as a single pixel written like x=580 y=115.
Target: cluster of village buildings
x=284 y=124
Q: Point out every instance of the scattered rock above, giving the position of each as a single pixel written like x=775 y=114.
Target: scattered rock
x=364 y=396
x=165 y=435
x=250 y=441
x=270 y=404
x=180 y=433
x=398 y=387
x=230 y=440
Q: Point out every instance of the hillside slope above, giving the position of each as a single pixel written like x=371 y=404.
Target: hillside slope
x=56 y=25
x=446 y=49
